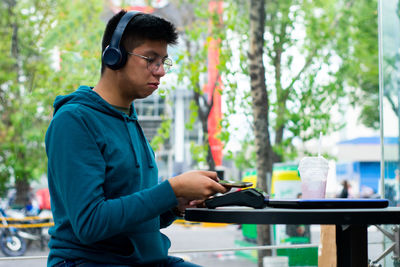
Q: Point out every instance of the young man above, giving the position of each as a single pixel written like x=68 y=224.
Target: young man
x=107 y=206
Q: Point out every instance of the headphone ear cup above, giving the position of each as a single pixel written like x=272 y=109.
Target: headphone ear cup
x=112 y=57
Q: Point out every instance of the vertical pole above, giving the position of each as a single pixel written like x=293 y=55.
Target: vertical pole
x=352 y=245
x=179 y=133
x=380 y=45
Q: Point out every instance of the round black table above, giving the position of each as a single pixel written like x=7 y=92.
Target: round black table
x=351 y=224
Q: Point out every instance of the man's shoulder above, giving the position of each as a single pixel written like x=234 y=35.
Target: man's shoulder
x=69 y=114
x=73 y=109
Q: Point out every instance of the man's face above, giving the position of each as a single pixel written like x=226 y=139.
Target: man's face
x=136 y=79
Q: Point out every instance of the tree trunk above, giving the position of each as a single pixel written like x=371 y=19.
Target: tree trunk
x=260 y=107
x=22 y=185
x=210 y=159
x=23 y=193
x=204 y=109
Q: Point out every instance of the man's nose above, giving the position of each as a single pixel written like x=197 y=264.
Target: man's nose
x=160 y=71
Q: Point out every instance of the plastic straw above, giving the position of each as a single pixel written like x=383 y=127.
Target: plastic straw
x=319 y=144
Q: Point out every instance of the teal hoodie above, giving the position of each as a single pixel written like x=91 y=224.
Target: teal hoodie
x=107 y=204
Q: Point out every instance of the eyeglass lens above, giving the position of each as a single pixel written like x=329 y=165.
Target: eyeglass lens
x=154 y=65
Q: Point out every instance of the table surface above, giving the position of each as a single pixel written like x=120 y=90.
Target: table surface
x=243 y=215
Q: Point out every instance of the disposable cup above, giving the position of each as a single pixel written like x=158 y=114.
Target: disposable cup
x=313 y=175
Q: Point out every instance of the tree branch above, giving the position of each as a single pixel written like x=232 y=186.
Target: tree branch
x=310 y=57
x=391 y=102
x=210 y=105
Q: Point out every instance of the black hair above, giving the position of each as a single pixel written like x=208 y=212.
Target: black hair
x=141 y=28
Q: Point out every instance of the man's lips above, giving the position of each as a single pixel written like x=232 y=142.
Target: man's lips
x=154 y=85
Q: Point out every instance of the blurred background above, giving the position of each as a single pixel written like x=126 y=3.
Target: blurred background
x=330 y=85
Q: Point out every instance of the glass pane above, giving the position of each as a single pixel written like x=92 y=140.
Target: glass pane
x=389 y=44
x=390 y=81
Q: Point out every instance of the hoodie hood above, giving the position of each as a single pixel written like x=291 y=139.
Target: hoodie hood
x=86 y=96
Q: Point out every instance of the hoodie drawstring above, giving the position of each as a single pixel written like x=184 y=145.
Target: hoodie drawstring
x=146 y=148
x=144 y=143
x=130 y=142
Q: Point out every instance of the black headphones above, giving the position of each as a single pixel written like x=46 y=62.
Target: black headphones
x=115 y=56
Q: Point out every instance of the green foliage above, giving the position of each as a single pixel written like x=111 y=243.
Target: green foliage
x=245 y=158
x=314 y=51
x=357 y=45
x=201 y=27
x=192 y=116
x=76 y=36
x=162 y=134
x=24 y=68
x=32 y=33
x=199 y=154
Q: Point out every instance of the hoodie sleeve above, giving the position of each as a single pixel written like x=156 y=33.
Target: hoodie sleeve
x=76 y=175
x=167 y=218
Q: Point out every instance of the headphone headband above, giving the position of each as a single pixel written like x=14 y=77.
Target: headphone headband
x=119 y=31
x=114 y=56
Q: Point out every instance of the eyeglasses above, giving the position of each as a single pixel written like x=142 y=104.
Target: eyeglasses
x=154 y=64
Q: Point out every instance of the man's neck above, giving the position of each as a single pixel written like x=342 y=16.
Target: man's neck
x=109 y=92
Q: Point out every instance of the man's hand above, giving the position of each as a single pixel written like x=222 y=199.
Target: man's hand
x=196 y=185
x=183 y=204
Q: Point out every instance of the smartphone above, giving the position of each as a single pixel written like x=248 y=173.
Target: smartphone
x=230 y=184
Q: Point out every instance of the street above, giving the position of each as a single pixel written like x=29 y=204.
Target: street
x=189 y=237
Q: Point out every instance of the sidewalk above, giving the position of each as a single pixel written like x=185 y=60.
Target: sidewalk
x=207 y=237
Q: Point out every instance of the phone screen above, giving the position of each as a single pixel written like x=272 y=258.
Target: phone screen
x=230 y=184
